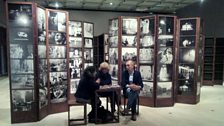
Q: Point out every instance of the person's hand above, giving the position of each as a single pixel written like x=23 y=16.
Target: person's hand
x=134 y=87
x=98 y=81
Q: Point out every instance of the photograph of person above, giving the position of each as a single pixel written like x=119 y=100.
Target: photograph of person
x=57 y=52
x=166 y=42
x=75 y=29
x=165 y=55
x=113 y=41
x=43 y=68
x=22 y=81
x=186 y=71
x=21 y=51
x=187 y=55
x=88 y=55
x=58 y=65
x=129 y=41
x=53 y=21
x=22 y=100
x=146 y=41
x=75 y=52
x=166 y=25
x=75 y=42
x=42 y=51
x=187 y=41
x=113 y=55
x=164 y=90
x=21 y=66
x=146 y=55
x=41 y=19
x=57 y=38
x=147 y=91
x=75 y=63
x=147 y=26
x=75 y=72
x=129 y=54
x=129 y=26
x=113 y=27
x=114 y=71
x=74 y=85
x=88 y=30
x=61 y=21
x=43 y=97
x=146 y=72
x=165 y=72
x=88 y=43
x=188 y=27
x=20 y=15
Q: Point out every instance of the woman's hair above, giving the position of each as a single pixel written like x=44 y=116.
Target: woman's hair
x=104 y=65
x=89 y=72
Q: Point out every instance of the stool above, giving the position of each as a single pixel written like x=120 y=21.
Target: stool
x=74 y=103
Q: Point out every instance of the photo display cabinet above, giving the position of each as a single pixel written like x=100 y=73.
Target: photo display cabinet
x=149 y=41
x=213 y=61
x=80 y=52
x=38 y=71
x=189 y=61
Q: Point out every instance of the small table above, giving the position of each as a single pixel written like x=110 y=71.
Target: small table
x=115 y=89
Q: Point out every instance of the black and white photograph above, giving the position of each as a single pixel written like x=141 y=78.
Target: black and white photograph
x=88 y=43
x=165 y=55
x=21 y=66
x=75 y=72
x=41 y=21
x=22 y=100
x=74 y=85
x=146 y=55
x=20 y=15
x=87 y=65
x=57 y=51
x=113 y=41
x=75 y=52
x=165 y=42
x=187 y=41
x=186 y=71
x=129 y=54
x=75 y=28
x=164 y=89
x=58 y=93
x=114 y=71
x=42 y=51
x=88 y=55
x=88 y=30
x=21 y=51
x=75 y=63
x=57 y=38
x=58 y=65
x=188 y=27
x=164 y=72
x=22 y=35
x=58 y=78
x=113 y=55
x=43 y=66
x=146 y=72
x=43 y=97
x=22 y=81
x=57 y=21
x=187 y=55
x=129 y=41
x=147 y=91
x=75 y=42
x=166 y=25
x=147 y=26
x=185 y=87
x=129 y=26
x=147 y=41
x=113 y=27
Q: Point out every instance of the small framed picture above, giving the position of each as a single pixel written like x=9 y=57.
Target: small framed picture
x=57 y=51
x=88 y=43
x=22 y=81
x=164 y=90
x=186 y=71
x=21 y=51
x=58 y=38
x=74 y=85
x=75 y=42
x=187 y=55
x=129 y=54
x=147 y=91
x=75 y=53
x=88 y=30
x=129 y=26
x=129 y=41
x=146 y=72
x=22 y=66
x=147 y=26
x=147 y=41
x=114 y=71
x=75 y=28
x=57 y=21
x=188 y=27
x=146 y=55
x=166 y=25
x=113 y=41
x=165 y=55
x=58 y=65
x=113 y=55
x=187 y=41
x=165 y=72
x=88 y=55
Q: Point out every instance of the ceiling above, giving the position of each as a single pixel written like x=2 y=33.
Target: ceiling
x=164 y=6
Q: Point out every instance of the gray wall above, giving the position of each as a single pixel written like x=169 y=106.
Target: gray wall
x=211 y=12
x=2 y=14
x=100 y=19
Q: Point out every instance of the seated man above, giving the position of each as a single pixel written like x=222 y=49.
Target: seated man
x=132 y=84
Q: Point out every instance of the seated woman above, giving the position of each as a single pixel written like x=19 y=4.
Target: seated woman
x=87 y=87
x=103 y=78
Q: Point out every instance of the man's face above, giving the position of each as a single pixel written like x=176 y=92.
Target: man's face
x=129 y=66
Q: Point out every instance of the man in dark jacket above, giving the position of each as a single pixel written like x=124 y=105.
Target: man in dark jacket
x=132 y=84
x=87 y=87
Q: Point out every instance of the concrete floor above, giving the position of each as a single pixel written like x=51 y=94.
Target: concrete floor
x=209 y=112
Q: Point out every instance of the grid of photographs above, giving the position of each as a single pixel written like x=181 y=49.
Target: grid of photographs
x=187 y=55
x=57 y=53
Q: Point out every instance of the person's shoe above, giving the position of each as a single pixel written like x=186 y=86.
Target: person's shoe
x=121 y=108
x=133 y=117
x=126 y=111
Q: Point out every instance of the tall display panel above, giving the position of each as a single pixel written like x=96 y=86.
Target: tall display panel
x=80 y=52
x=189 y=61
x=149 y=41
